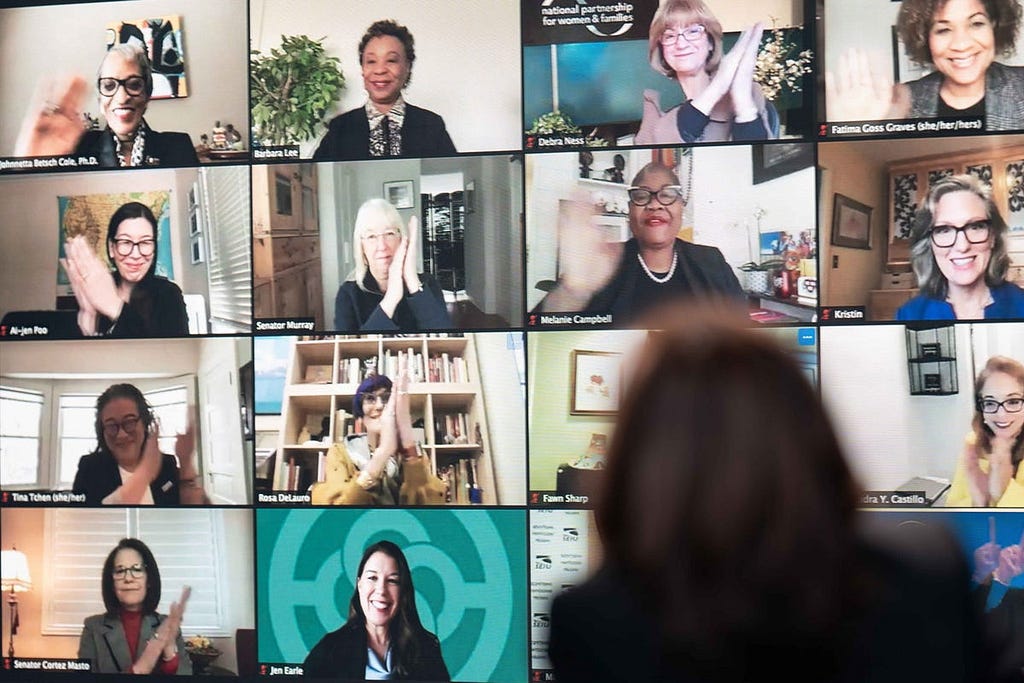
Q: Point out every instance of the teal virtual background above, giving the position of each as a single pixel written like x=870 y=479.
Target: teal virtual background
x=468 y=567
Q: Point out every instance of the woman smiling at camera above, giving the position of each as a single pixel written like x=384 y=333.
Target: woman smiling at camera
x=383 y=639
x=127 y=467
x=131 y=300
x=959 y=256
x=125 y=85
x=386 y=292
x=721 y=99
x=131 y=637
x=386 y=126
x=961 y=39
x=989 y=472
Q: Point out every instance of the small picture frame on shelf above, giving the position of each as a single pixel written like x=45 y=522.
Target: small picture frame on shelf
x=931 y=350
x=399 y=193
x=932 y=382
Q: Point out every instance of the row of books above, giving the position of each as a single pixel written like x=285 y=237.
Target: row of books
x=462 y=482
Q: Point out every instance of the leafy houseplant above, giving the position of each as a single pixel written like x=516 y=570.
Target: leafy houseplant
x=555 y=122
x=292 y=87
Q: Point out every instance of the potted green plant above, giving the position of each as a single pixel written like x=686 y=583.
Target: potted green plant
x=555 y=122
x=759 y=275
x=292 y=87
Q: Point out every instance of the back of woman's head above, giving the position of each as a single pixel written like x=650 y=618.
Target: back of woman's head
x=726 y=488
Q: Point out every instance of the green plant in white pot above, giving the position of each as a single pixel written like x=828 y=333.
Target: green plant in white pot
x=292 y=87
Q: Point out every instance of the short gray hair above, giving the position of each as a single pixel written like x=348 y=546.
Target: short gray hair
x=929 y=278
x=131 y=52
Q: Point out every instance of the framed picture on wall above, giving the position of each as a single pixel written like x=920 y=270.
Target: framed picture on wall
x=851 y=223
x=399 y=193
x=596 y=382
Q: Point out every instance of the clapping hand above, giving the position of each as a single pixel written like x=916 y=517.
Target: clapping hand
x=1011 y=562
x=163 y=643
x=410 y=273
x=586 y=261
x=986 y=557
x=977 y=480
x=53 y=125
x=91 y=281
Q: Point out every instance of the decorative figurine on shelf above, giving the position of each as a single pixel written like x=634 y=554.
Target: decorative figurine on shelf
x=615 y=173
x=220 y=137
x=325 y=426
x=233 y=136
x=586 y=161
x=593 y=457
x=369 y=367
x=90 y=122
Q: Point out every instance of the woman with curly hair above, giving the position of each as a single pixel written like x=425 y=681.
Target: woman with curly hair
x=961 y=40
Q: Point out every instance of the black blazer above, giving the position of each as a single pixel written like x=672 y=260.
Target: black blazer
x=156 y=309
x=162 y=149
x=97 y=477
x=348 y=136
x=919 y=626
x=342 y=655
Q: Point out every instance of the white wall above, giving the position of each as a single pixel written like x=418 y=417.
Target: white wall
x=506 y=417
x=43 y=42
x=889 y=435
x=102 y=357
x=29 y=223
x=467 y=67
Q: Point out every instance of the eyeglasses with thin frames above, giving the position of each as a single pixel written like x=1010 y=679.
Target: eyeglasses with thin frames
x=690 y=34
x=136 y=571
x=389 y=236
x=133 y=85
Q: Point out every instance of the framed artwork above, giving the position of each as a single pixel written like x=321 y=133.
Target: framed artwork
x=775 y=160
x=195 y=221
x=851 y=223
x=470 y=197
x=196 y=248
x=399 y=193
x=161 y=38
x=596 y=382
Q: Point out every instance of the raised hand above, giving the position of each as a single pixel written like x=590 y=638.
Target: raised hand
x=1011 y=562
x=90 y=278
x=403 y=414
x=185 y=445
x=741 y=90
x=53 y=124
x=986 y=557
x=586 y=261
x=857 y=92
x=410 y=273
x=395 y=290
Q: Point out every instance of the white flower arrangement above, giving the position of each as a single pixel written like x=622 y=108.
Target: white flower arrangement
x=777 y=70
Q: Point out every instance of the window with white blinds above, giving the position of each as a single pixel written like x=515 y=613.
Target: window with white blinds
x=186 y=544
x=20 y=434
x=227 y=208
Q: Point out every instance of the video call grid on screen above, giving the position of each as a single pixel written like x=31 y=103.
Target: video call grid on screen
x=525 y=435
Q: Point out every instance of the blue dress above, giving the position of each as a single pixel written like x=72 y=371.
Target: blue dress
x=1007 y=302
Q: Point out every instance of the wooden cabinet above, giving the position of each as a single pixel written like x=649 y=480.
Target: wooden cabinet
x=321 y=382
x=883 y=303
x=1002 y=168
x=286 y=243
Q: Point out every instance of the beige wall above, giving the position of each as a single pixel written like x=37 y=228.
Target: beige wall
x=555 y=435
x=25 y=528
x=467 y=67
x=44 y=42
x=737 y=15
x=860 y=270
x=29 y=222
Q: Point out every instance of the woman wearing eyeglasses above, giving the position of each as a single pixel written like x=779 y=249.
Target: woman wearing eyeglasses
x=384 y=465
x=131 y=637
x=654 y=266
x=989 y=472
x=132 y=300
x=386 y=292
x=721 y=101
x=124 y=84
x=127 y=467
x=959 y=256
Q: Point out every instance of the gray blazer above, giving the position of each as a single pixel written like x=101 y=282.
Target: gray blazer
x=1004 y=97
x=104 y=645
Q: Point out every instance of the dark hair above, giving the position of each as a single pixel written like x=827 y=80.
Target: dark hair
x=723 y=478
x=389 y=27
x=368 y=385
x=916 y=17
x=123 y=213
x=929 y=278
x=152 y=599
x=406 y=624
x=982 y=432
x=129 y=391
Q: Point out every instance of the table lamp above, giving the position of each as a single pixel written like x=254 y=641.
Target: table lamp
x=14 y=578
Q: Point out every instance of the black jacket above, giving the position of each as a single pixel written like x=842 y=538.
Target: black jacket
x=341 y=655
x=348 y=136
x=162 y=149
x=356 y=310
x=97 y=477
x=156 y=309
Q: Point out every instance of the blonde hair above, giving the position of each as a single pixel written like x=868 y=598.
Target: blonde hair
x=680 y=13
x=372 y=213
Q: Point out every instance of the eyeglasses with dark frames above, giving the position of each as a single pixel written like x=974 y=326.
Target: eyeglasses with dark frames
x=124 y=247
x=669 y=194
x=133 y=85
x=1010 y=405
x=976 y=232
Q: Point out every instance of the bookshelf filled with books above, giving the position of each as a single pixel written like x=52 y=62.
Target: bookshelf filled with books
x=446 y=404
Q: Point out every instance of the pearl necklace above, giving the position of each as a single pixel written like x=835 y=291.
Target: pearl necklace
x=668 y=276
